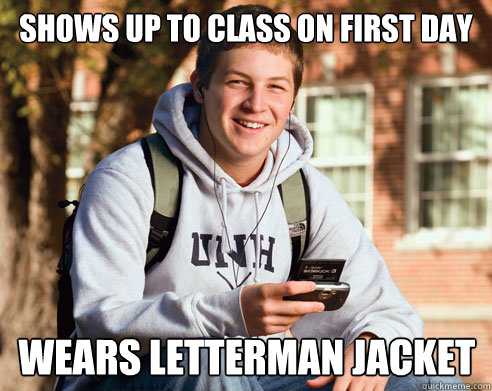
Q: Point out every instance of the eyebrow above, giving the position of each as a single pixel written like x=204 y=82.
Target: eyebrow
x=245 y=75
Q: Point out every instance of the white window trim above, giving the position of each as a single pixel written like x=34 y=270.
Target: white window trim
x=336 y=88
x=437 y=238
x=455 y=312
x=83 y=106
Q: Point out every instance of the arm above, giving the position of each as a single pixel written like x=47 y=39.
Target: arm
x=265 y=312
x=347 y=382
x=375 y=304
x=110 y=239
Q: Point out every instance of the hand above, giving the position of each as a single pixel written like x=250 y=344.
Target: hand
x=265 y=312
x=346 y=381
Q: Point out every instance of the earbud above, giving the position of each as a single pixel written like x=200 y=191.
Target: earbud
x=200 y=90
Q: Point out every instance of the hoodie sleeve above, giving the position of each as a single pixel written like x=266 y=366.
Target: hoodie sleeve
x=110 y=239
x=375 y=304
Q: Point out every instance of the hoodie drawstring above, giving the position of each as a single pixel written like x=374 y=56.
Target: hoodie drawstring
x=257 y=238
x=225 y=231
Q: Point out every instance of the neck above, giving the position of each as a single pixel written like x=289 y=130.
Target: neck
x=245 y=172
x=241 y=169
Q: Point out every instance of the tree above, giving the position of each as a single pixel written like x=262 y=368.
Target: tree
x=35 y=83
x=134 y=78
x=35 y=94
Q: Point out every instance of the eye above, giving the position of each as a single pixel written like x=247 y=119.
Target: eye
x=277 y=87
x=236 y=82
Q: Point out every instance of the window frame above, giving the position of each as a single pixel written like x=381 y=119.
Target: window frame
x=336 y=89
x=79 y=107
x=445 y=238
x=75 y=175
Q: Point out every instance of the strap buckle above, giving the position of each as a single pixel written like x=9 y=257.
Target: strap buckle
x=156 y=235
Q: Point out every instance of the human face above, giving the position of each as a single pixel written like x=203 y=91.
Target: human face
x=247 y=104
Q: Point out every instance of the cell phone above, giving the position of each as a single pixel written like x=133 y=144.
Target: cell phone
x=326 y=274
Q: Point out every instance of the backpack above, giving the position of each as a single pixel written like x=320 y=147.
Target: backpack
x=166 y=173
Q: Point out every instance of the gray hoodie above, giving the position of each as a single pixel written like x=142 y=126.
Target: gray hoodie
x=195 y=290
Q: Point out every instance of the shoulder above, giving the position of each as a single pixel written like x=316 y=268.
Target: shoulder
x=128 y=161
x=320 y=186
x=335 y=230
x=123 y=169
x=328 y=206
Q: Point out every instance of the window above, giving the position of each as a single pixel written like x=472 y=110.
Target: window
x=450 y=155
x=339 y=118
x=82 y=121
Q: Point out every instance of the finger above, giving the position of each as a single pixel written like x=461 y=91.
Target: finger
x=381 y=382
x=297 y=307
x=273 y=329
x=289 y=288
x=320 y=381
x=362 y=383
x=341 y=383
x=282 y=320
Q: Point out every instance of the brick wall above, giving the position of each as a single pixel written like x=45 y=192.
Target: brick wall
x=445 y=286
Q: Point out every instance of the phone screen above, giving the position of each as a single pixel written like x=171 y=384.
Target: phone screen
x=319 y=270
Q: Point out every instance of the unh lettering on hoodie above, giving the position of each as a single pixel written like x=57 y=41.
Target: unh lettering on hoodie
x=212 y=244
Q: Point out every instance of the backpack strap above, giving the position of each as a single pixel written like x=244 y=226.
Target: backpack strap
x=65 y=322
x=166 y=173
x=294 y=192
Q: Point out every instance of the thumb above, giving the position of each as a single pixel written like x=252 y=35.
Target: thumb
x=320 y=381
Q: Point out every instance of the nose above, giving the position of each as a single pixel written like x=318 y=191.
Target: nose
x=255 y=100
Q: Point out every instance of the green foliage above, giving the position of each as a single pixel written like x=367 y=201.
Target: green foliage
x=20 y=62
x=13 y=54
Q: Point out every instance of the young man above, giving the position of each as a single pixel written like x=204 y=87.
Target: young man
x=225 y=273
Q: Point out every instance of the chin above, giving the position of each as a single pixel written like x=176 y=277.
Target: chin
x=250 y=151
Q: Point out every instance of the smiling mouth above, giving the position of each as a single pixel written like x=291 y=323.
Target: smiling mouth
x=250 y=125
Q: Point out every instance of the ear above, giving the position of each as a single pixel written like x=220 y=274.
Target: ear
x=195 y=83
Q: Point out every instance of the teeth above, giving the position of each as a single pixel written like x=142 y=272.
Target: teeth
x=253 y=125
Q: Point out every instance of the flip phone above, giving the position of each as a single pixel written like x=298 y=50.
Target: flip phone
x=326 y=274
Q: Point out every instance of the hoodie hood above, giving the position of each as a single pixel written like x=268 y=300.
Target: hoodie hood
x=177 y=118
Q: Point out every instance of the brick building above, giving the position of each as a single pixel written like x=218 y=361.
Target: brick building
x=405 y=131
